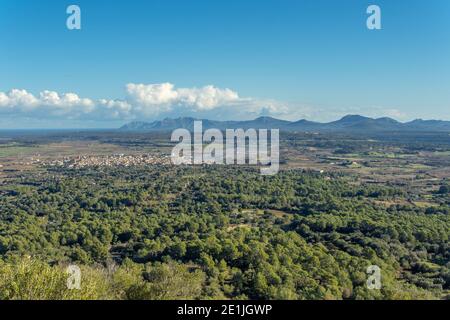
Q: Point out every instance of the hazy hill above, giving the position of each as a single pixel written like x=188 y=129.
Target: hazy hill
x=347 y=123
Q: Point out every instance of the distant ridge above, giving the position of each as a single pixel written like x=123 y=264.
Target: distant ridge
x=347 y=123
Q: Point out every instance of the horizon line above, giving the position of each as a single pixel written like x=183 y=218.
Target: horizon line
x=206 y=119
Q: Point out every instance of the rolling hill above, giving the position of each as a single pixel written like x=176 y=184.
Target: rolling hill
x=347 y=123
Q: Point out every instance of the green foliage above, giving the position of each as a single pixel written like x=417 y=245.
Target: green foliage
x=216 y=232
x=167 y=281
x=30 y=279
x=444 y=189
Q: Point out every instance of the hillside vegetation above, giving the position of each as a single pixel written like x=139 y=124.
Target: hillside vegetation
x=216 y=232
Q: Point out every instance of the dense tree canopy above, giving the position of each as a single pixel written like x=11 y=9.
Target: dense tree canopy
x=216 y=232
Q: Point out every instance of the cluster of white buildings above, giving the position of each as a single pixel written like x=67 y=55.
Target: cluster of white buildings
x=109 y=161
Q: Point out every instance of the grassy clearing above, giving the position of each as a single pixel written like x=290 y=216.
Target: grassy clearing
x=15 y=150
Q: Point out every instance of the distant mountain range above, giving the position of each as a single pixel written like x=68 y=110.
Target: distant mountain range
x=347 y=123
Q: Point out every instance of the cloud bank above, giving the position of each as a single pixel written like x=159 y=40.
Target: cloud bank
x=155 y=101
x=142 y=101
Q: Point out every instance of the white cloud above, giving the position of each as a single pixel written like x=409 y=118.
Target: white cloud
x=157 y=98
x=17 y=98
x=142 y=101
x=152 y=101
x=23 y=101
x=51 y=104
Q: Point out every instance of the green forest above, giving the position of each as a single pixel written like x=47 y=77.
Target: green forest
x=216 y=232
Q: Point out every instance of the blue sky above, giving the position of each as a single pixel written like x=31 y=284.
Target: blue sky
x=220 y=59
